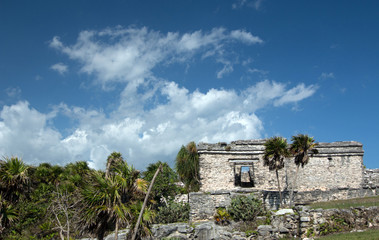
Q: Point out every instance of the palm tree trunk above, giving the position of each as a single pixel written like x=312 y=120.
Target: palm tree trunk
x=107 y=170
x=145 y=202
x=116 y=231
x=294 y=184
x=280 y=194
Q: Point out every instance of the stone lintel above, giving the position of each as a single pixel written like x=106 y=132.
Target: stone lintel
x=231 y=152
x=243 y=160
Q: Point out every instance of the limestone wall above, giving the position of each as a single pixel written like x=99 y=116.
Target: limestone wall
x=286 y=223
x=371 y=178
x=337 y=165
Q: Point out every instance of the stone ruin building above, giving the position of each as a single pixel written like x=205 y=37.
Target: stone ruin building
x=239 y=165
x=335 y=172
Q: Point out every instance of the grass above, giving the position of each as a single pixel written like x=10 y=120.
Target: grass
x=343 y=204
x=372 y=234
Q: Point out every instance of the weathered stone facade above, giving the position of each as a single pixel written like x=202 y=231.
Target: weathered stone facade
x=285 y=223
x=239 y=165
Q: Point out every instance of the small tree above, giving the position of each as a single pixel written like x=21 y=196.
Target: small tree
x=164 y=185
x=275 y=151
x=302 y=145
x=187 y=167
x=62 y=209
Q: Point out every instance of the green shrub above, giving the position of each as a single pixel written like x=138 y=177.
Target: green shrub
x=173 y=212
x=222 y=216
x=245 y=208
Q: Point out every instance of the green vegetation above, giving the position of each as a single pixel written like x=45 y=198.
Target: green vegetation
x=245 y=208
x=222 y=216
x=74 y=201
x=165 y=183
x=276 y=149
x=341 y=204
x=300 y=147
x=372 y=234
x=173 y=212
x=187 y=167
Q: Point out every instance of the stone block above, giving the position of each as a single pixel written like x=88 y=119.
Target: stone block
x=284 y=211
x=264 y=230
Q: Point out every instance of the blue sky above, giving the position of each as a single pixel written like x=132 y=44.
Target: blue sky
x=80 y=79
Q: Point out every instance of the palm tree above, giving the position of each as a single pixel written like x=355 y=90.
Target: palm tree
x=187 y=167
x=146 y=219
x=107 y=201
x=275 y=151
x=301 y=146
x=13 y=178
x=164 y=185
x=145 y=202
x=8 y=214
x=113 y=160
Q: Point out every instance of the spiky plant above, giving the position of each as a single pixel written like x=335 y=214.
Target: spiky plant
x=13 y=178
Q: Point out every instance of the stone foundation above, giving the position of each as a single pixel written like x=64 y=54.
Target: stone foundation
x=204 y=205
x=284 y=223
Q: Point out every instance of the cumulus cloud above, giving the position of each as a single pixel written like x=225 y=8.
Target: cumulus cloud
x=60 y=68
x=151 y=135
x=24 y=132
x=154 y=116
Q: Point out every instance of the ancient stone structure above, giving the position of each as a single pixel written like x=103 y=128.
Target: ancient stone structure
x=285 y=223
x=239 y=165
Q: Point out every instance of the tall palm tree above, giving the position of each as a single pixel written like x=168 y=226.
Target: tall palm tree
x=187 y=167
x=302 y=145
x=13 y=178
x=107 y=201
x=276 y=149
x=113 y=160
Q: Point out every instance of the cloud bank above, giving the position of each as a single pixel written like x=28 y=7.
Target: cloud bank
x=154 y=116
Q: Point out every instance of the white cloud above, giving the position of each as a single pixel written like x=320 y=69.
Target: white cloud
x=245 y=37
x=13 y=92
x=24 y=132
x=60 y=68
x=324 y=76
x=149 y=135
x=256 y=4
x=136 y=51
x=256 y=70
x=296 y=94
x=142 y=128
x=228 y=68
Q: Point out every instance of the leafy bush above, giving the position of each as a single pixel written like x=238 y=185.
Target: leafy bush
x=173 y=212
x=245 y=208
x=222 y=216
